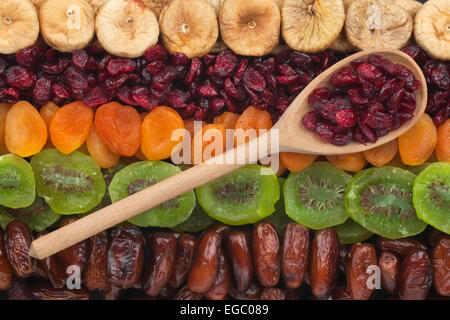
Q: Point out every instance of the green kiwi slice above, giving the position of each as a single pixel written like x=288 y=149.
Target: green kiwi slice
x=244 y=196
x=279 y=218
x=71 y=183
x=350 y=232
x=431 y=195
x=143 y=174
x=39 y=216
x=198 y=221
x=380 y=200
x=314 y=197
x=17 y=183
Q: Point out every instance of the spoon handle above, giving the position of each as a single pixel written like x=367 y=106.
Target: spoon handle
x=148 y=198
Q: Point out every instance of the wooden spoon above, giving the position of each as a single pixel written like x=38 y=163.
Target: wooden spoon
x=293 y=137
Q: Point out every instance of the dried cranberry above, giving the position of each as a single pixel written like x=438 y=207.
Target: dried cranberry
x=80 y=59
x=372 y=74
x=207 y=91
x=346 y=118
x=383 y=64
x=75 y=79
x=226 y=62
x=177 y=98
x=415 y=52
x=104 y=62
x=387 y=90
x=50 y=54
x=179 y=59
x=194 y=71
x=2 y=65
x=29 y=57
x=41 y=91
x=368 y=133
x=143 y=98
x=20 y=77
x=200 y=114
x=325 y=131
x=341 y=136
x=120 y=65
x=301 y=60
x=60 y=91
x=253 y=80
x=329 y=109
x=57 y=67
x=267 y=67
x=438 y=74
x=76 y=94
x=156 y=53
x=209 y=59
x=311 y=120
x=217 y=104
x=356 y=96
x=377 y=120
x=240 y=71
x=96 y=97
x=11 y=94
x=318 y=93
x=344 y=78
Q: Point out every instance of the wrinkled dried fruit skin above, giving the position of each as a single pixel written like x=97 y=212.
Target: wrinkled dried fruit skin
x=19 y=290
x=266 y=254
x=361 y=257
x=160 y=262
x=324 y=262
x=400 y=246
x=74 y=255
x=44 y=291
x=416 y=276
x=272 y=294
x=205 y=267
x=125 y=256
x=52 y=268
x=17 y=243
x=186 y=294
x=6 y=273
x=389 y=265
x=221 y=285
x=239 y=251
x=440 y=258
x=96 y=274
x=295 y=255
x=186 y=245
x=252 y=293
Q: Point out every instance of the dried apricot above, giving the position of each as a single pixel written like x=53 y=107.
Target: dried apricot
x=208 y=143
x=119 y=127
x=4 y=108
x=381 y=155
x=443 y=142
x=99 y=151
x=418 y=143
x=140 y=155
x=296 y=162
x=353 y=162
x=157 y=129
x=227 y=119
x=249 y=124
x=189 y=126
x=25 y=130
x=47 y=111
x=70 y=126
x=281 y=166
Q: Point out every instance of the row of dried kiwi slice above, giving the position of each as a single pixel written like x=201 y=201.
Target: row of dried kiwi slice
x=381 y=200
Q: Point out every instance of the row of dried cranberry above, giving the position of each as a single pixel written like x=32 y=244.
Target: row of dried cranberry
x=242 y=263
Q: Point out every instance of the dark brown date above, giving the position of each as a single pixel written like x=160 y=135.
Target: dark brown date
x=238 y=249
x=205 y=267
x=160 y=262
x=295 y=255
x=434 y=236
x=19 y=290
x=272 y=294
x=266 y=254
x=73 y=256
x=343 y=258
x=53 y=268
x=361 y=257
x=416 y=276
x=167 y=293
x=6 y=272
x=220 y=228
x=186 y=246
x=400 y=246
x=186 y=294
x=126 y=256
x=340 y=292
x=111 y=292
x=323 y=270
x=44 y=291
x=389 y=265
x=220 y=288
x=96 y=274
x=252 y=293
x=440 y=257
x=17 y=243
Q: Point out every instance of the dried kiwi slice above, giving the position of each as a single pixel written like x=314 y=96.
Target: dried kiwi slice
x=241 y=197
x=17 y=183
x=431 y=195
x=143 y=174
x=314 y=197
x=380 y=199
x=198 y=221
x=351 y=232
x=71 y=183
x=279 y=218
x=39 y=216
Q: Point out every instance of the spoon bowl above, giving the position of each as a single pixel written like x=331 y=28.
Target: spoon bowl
x=294 y=137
